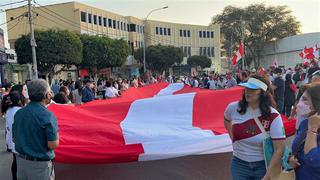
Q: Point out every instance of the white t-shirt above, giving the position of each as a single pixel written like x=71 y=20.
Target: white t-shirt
x=195 y=83
x=9 y=121
x=111 y=92
x=247 y=137
x=212 y=84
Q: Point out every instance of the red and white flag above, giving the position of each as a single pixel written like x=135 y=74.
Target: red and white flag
x=238 y=55
x=158 y=121
x=310 y=53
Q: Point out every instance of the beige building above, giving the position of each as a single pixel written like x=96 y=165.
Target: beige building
x=81 y=18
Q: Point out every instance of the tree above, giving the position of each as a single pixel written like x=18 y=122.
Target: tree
x=53 y=47
x=100 y=52
x=159 y=58
x=202 y=61
x=262 y=24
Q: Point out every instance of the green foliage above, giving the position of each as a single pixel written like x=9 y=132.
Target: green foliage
x=101 y=52
x=159 y=58
x=53 y=47
x=262 y=24
x=202 y=61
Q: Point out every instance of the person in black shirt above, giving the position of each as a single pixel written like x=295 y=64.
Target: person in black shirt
x=279 y=86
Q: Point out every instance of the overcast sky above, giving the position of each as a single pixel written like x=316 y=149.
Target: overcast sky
x=194 y=11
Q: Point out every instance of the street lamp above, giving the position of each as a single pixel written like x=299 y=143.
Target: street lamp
x=144 y=41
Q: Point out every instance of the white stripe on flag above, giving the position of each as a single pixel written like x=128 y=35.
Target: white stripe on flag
x=169 y=133
x=170 y=89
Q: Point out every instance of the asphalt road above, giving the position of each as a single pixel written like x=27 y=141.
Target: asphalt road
x=204 y=167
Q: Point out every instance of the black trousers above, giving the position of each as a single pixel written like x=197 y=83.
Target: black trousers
x=14 y=167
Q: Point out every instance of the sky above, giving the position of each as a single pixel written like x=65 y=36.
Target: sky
x=198 y=12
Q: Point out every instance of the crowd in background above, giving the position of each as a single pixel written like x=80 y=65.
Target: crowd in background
x=286 y=87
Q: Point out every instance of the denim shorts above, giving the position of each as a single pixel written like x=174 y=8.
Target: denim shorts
x=243 y=170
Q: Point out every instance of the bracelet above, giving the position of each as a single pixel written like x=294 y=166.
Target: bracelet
x=313 y=132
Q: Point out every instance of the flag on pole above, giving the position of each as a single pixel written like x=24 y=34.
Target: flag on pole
x=238 y=55
x=310 y=53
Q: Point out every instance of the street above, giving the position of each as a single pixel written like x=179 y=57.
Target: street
x=215 y=166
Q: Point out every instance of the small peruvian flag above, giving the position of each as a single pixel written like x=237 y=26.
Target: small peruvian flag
x=309 y=53
x=238 y=55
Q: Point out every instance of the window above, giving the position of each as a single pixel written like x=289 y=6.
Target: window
x=169 y=32
x=100 y=20
x=114 y=24
x=128 y=27
x=189 y=33
x=209 y=54
x=180 y=32
x=157 y=30
x=118 y=25
x=94 y=19
x=132 y=28
x=161 y=31
x=212 y=34
x=200 y=34
x=138 y=28
x=204 y=51
x=105 y=22
x=125 y=26
x=189 y=51
x=83 y=17
x=121 y=27
x=212 y=52
x=184 y=33
x=203 y=34
x=90 y=18
x=208 y=34
x=200 y=51
x=165 y=31
x=110 y=23
x=142 y=29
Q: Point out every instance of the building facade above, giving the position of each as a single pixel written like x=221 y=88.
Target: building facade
x=81 y=18
x=286 y=51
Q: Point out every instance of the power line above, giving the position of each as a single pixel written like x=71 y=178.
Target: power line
x=73 y=24
x=68 y=21
x=13 y=19
x=8 y=29
x=8 y=4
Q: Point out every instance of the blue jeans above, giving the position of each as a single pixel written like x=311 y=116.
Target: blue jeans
x=242 y=170
x=280 y=104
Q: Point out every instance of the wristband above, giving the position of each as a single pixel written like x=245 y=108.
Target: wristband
x=313 y=132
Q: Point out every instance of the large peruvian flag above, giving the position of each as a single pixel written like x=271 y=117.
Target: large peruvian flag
x=238 y=55
x=158 y=121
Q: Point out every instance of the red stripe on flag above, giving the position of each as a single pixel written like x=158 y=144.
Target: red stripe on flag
x=209 y=107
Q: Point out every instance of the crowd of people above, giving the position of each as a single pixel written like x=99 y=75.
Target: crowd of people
x=32 y=131
x=295 y=93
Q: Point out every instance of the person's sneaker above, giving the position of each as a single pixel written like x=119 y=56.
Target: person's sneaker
x=9 y=150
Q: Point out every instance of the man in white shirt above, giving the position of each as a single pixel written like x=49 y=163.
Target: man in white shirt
x=111 y=92
x=212 y=83
x=195 y=82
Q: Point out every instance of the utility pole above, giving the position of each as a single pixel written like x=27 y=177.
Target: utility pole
x=32 y=43
x=144 y=37
x=242 y=41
